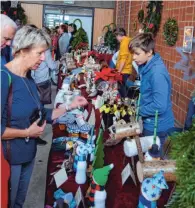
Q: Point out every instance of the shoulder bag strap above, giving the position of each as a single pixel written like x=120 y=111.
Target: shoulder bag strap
x=9 y=101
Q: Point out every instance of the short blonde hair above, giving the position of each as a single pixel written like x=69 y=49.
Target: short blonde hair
x=28 y=37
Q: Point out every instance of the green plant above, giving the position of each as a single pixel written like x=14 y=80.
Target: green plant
x=80 y=36
x=183 y=151
x=110 y=38
x=17 y=13
x=170 y=31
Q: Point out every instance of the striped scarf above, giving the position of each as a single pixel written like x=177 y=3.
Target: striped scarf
x=93 y=188
x=77 y=159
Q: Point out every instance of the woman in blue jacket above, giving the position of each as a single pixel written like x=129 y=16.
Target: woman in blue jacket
x=19 y=101
x=155 y=87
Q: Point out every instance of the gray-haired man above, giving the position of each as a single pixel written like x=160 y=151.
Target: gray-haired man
x=8 y=29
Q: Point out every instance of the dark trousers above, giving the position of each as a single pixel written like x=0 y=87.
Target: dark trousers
x=122 y=87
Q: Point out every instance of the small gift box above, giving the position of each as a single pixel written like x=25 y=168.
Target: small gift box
x=73 y=130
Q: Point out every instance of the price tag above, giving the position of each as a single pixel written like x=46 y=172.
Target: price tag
x=60 y=177
x=127 y=171
x=79 y=197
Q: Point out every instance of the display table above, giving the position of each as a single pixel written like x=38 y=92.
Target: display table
x=118 y=196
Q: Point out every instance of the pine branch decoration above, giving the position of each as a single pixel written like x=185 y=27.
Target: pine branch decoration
x=183 y=151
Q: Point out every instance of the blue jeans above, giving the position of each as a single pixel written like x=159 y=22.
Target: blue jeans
x=20 y=179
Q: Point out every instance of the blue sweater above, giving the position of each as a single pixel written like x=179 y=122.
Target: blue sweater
x=22 y=108
x=156 y=95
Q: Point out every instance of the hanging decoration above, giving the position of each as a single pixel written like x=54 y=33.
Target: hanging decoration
x=109 y=37
x=153 y=18
x=170 y=31
x=14 y=11
x=80 y=36
x=140 y=16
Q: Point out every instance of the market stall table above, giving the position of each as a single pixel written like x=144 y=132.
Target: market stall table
x=118 y=196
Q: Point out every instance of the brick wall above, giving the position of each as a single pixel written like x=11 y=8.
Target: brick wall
x=184 y=13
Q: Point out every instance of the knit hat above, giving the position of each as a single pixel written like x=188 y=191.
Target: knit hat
x=100 y=175
x=154 y=151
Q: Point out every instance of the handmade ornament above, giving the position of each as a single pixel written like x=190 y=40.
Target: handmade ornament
x=80 y=164
x=153 y=153
x=151 y=190
x=96 y=193
x=73 y=130
x=130 y=148
x=149 y=168
x=84 y=131
x=98 y=161
x=123 y=129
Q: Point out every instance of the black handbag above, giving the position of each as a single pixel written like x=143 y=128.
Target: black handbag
x=44 y=89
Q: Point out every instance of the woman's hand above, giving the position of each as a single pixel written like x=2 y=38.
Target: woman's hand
x=36 y=131
x=78 y=101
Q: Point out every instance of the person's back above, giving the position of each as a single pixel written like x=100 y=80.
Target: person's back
x=125 y=56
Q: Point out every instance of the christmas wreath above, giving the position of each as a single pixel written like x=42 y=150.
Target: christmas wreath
x=110 y=38
x=80 y=36
x=140 y=16
x=153 y=18
x=15 y=13
x=170 y=31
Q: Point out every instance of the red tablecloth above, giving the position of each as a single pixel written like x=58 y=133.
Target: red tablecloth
x=118 y=196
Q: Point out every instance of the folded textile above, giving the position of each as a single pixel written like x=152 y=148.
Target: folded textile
x=58 y=194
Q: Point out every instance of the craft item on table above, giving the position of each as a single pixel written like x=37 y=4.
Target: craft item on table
x=149 y=168
x=61 y=146
x=96 y=193
x=80 y=164
x=84 y=132
x=77 y=92
x=153 y=153
x=93 y=91
x=99 y=151
x=99 y=102
x=151 y=190
x=107 y=74
x=122 y=129
x=67 y=118
x=67 y=197
x=73 y=130
x=130 y=148
x=80 y=120
x=59 y=98
x=76 y=71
